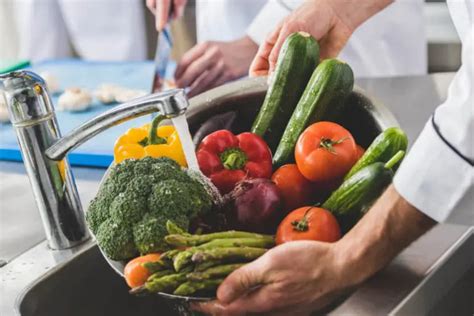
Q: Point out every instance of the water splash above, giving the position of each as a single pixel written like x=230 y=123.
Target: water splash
x=181 y=125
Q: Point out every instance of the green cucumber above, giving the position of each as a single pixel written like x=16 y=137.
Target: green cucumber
x=296 y=62
x=357 y=194
x=387 y=144
x=332 y=81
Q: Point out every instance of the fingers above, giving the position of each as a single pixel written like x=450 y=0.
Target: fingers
x=208 y=79
x=273 y=57
x=243 y=281
x=197 y=67
x=162 y=13
x=179 y=6
x=189 y=57
x=260 y=64
x=151 y=5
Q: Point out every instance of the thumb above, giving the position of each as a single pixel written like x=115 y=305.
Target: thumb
x=242 y=281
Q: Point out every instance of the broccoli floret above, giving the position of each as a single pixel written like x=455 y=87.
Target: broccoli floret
x=128 y=207
x=116 y=240
x=170 y=197
x=149 y=232
x=97 y=213
x=130 y=211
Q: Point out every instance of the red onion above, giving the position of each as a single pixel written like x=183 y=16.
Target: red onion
x=255 y=205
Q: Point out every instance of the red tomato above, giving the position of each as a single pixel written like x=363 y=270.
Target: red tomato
x=308 y=223
x=135 y=273
x=359 y=152
x=325 y=151
x=295 y=189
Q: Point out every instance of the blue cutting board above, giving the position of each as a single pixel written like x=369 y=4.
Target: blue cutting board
x=98 y=151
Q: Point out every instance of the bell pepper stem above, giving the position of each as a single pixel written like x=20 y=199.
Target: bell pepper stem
x=233 y=159
x=153 y=138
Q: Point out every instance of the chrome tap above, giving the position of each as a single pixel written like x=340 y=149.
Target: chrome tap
x=44 y=150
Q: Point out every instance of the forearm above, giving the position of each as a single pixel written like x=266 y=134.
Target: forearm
x=390 y=226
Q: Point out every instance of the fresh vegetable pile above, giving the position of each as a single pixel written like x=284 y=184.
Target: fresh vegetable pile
x=196 y=264
x=297 y=175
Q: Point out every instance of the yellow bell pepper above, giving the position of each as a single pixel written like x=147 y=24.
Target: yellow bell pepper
x=150 y=140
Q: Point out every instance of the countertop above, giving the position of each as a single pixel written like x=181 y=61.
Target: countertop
x=411 y=99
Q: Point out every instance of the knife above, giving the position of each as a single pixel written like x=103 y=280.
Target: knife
x=164 y=43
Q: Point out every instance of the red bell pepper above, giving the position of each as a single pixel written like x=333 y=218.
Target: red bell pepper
x=226 y=159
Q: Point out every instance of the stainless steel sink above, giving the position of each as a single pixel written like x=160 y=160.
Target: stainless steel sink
x=86 y=285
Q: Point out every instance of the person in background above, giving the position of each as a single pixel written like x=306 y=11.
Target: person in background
x=92 y=29
x=297 y=278
x=391 y=43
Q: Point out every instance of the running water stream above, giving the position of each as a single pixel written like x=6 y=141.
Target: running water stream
x=181 y=125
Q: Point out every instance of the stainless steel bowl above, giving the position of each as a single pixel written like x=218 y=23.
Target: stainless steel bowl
x=365 y=118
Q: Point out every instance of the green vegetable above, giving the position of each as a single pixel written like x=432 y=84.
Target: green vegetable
x=167 y=283
x=297 y=60
x=261 y=242
x=357 y=194
x=228 y=255
x=330 y=84
x=214 y=272
x=387 y=144
x=129 y=215
x=191 y=287
x=178 y=240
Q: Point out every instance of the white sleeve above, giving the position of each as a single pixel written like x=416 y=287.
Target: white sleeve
x=268 y=18
x=438 y=171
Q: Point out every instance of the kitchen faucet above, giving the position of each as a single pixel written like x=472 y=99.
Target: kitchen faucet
x=44 y=150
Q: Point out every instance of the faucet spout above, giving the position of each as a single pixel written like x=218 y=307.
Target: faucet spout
x=170 y=103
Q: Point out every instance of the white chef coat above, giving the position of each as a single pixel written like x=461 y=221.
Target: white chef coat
x=225 y=20
x=95 y=29
x=391 y=43
x=438 y=172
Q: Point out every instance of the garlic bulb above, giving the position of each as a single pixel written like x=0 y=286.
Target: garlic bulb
x=75 y=100
x=106 y=93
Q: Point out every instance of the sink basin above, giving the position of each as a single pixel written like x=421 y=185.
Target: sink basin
x=86 y=285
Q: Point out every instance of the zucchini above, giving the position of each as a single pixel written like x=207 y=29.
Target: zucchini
x=332 y=81
x=299 y=57
x=387 y=144
x=357 y=194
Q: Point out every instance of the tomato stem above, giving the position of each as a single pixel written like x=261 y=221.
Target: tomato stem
x=302 y=225
x=233 y=159
x=329 y=144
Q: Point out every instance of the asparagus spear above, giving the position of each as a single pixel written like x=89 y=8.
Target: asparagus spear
x=178 y=240
x=169 y=255
x=191 y=287
x=156 y=266
x=172 y=228
x=160 y=274
x=214 y=272
x=183 y=259
x=167 y=283
x=264 y=242
x=205 y=259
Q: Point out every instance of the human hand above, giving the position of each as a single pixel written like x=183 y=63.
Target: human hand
x=211 y=64
x=161 y=10
x=331 y=22
x=292 y=279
